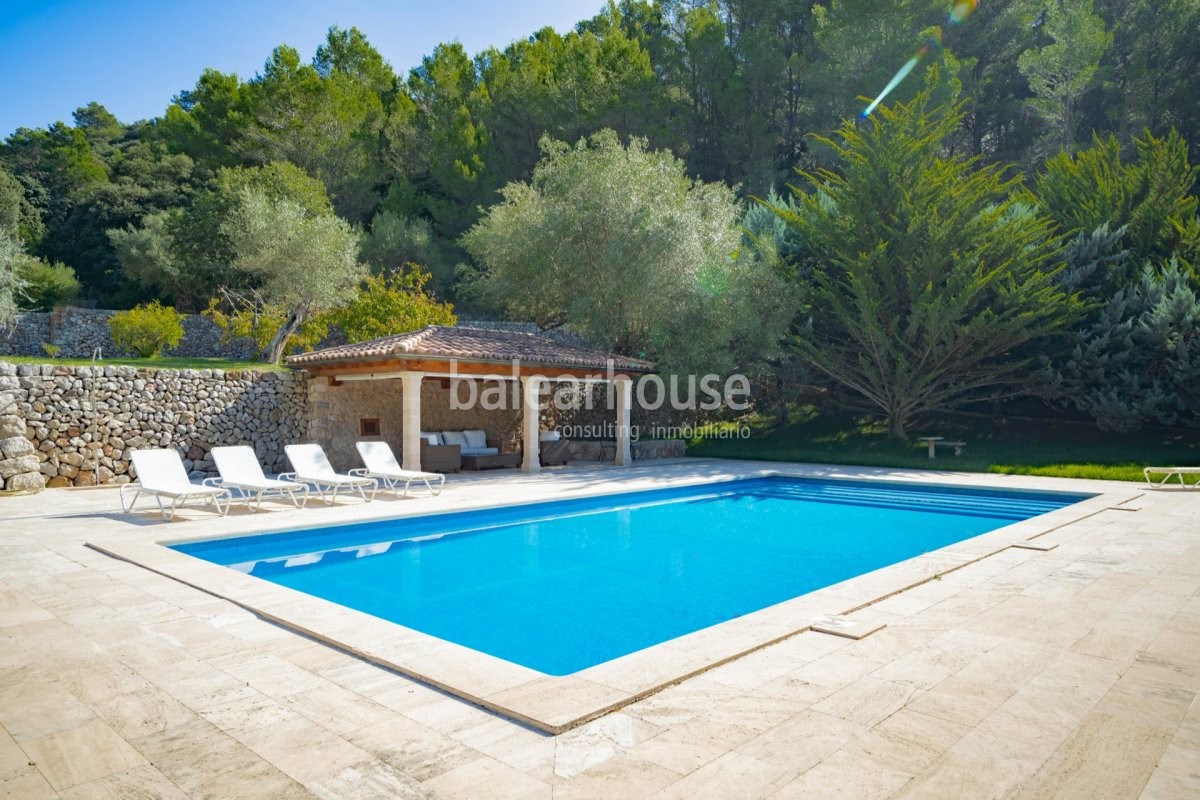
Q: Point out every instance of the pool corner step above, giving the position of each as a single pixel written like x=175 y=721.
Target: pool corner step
x=846 y=627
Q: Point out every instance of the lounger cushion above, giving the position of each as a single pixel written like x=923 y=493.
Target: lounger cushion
x=454 y=437
x=475 y=439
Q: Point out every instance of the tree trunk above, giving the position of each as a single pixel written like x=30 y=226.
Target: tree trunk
x=896 y=427
x=274 y=350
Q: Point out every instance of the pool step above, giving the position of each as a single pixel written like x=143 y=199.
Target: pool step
x=974 y=503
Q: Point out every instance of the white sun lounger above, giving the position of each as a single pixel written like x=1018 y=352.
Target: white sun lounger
x=1172 y=472
x=382 y=465
x=312 y=466
x=241 y=471
x=160 y=473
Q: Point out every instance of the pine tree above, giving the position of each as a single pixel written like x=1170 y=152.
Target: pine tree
x=928 y=272
x=1060 y=72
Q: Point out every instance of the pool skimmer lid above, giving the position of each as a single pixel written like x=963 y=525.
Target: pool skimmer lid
x=846 y=627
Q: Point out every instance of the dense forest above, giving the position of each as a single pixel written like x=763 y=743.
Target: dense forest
x=1087 y=112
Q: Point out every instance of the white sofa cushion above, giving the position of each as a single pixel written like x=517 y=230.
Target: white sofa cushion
x=481 y=451
x=475 y=439
x=549 y=436
x=431 y=438
x=454 y=437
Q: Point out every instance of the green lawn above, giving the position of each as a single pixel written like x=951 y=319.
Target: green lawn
x=994 y=444
x=165 y=362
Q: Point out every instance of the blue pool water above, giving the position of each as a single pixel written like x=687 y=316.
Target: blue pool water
x=562 y=586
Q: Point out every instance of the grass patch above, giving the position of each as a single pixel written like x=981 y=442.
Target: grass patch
x=163 y=362
x=1013 y=446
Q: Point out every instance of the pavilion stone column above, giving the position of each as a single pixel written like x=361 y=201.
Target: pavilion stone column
x=624 y=387
x=410 y=442
x=531 y=387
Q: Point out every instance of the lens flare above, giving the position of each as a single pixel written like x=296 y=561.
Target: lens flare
x=892 y=84
x=902 y=73
x=961 y=10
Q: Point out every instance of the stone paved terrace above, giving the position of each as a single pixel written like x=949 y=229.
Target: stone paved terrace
x=1072 y=672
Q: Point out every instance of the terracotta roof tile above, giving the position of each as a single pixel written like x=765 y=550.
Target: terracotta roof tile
x=471 y=344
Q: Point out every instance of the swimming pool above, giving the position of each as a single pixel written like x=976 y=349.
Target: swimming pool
x=562 y=586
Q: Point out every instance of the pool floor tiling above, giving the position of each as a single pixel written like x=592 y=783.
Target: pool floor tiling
x=999 y=670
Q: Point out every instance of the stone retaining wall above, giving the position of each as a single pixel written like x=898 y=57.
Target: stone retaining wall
x=75 y=419
x=18 y=463
x=74 y=426
x=641 y=450
x=77 y=332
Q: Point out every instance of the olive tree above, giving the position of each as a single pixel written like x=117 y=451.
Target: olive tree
x=618 y=242
x=300 y=261
x=11 y=255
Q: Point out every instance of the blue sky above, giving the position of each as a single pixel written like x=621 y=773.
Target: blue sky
x=133 y=56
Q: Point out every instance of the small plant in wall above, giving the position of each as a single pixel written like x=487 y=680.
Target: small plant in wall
x=51 y=350
x=146 y=329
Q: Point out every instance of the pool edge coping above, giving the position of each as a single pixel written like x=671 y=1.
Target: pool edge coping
x=553 y=704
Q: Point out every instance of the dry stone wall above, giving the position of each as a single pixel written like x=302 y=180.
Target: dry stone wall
x=77 y=332
x=641 y=450
x=18 y=463
x=80 y=424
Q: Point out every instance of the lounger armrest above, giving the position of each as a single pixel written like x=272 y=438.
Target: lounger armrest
x=359 y=472
x=214 y=482
x=287 y=476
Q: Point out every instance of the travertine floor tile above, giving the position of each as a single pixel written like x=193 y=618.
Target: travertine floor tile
x=908 y=741
x=625 y=776
x=687 y=747
x=734 y=774
x=196 y=756
x=487 y=777
x=867 y=701
x=1072 y=672
x=33 y=705
x=1106 y=756
x=418 y=750
x=140 y=782
x=26 y=784
x=302 y=749
x=82 y=754
x=136 y=714
x=844 y=775
x=370 y=780
x=954 y=776
x=585 y=747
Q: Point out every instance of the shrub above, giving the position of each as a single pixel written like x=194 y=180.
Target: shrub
x=394 y=302
x=52 y=350
x=1136 y=362
x=47 y=286
x=146 y=329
